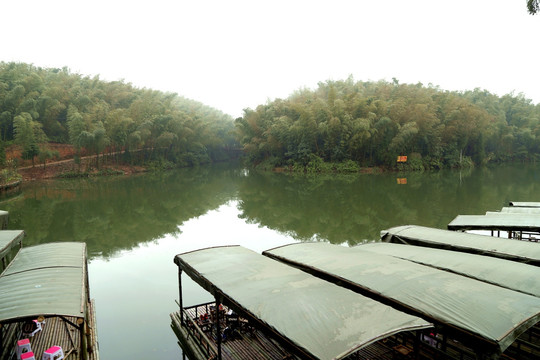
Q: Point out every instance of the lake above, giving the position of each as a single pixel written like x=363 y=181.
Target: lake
x=134 y=226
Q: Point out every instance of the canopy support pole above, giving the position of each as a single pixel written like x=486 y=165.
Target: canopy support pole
x=416 y=344
x=180 y=296
x=1 y=337
x=218 y=328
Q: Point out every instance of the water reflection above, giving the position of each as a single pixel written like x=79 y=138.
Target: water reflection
x=355 y=208
x=111 y=214
x=134 y=226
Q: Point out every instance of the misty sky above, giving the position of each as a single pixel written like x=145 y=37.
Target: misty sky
x=237 y=54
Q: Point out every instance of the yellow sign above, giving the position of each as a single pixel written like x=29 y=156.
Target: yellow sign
x=402 y=159
x=401 y=181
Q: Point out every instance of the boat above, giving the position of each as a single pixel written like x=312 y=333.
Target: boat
x=473 y=315
x=282 y=312
x=514 y=250
x=45 y=304
x=520 y=220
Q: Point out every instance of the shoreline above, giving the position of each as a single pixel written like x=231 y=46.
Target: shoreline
x=54 y=170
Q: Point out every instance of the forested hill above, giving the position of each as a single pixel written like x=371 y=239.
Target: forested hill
x=340 y=125
x=38 y=105
x=351 y=124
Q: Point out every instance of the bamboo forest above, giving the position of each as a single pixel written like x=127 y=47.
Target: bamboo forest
x=342 y=126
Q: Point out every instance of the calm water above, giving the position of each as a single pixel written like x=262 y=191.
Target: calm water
x=134 y=226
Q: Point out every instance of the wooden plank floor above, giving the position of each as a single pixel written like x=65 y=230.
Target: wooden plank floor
x=246 y=345
x=55 y=331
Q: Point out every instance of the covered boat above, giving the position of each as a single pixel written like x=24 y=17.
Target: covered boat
x=48 y=284
x=509 y=274
x=310 y=317
x=10 y=244
x=509 y=249
x=484 y=317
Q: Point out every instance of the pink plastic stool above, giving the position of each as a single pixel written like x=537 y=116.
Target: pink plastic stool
x=23 y=347
x=53 y=353
x=28 y=356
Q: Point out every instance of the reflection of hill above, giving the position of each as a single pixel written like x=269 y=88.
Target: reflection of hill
x=111 y=214
x=354 y=208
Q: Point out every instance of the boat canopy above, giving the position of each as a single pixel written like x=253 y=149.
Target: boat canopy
x=510 y=249
x=487 y=316
x=509 y=274
x=525 y=204
x=498 y=221
x=314 y=317
x=10 y=239
x=520 y=210
x=4 y=218
x=45 y=280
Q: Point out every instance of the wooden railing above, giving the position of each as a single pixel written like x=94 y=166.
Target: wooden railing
x=197 y=335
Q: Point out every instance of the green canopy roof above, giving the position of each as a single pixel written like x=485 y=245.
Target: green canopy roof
x=48 y=280
x=509 y=274
x=491 y=315
x=315 y=317
x=520 y=210
x=10 y=239
x=497 y=221
x=510 y=249
x=524 y=204
x=4 y=218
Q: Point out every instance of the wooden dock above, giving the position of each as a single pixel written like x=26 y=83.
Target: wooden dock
x=56 y=331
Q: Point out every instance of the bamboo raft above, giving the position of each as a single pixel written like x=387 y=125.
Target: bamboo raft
x=56 y=331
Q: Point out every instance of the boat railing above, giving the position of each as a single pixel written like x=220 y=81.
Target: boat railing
x=194 y=330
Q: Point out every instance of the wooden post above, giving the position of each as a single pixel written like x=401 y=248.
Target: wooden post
x=180 y=296
x=445 y=339
x=416 y=344
x=1 y=337
x=218 y=329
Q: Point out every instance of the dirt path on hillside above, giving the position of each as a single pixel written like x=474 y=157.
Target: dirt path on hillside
x=64 y=164
x=54 y=169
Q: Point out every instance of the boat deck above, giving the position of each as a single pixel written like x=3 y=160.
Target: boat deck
x=199 y=339
x=198 y=342
x=55 y=331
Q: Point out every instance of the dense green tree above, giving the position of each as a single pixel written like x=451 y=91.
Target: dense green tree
x=111 y=117
x=372 y=123
x=28 y=134
x=533 y=6
x=2 y=153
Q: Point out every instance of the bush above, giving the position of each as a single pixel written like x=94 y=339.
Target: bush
x=347 y=166
x=9 y=176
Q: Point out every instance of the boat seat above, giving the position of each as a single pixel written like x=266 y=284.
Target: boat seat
x=28 y=356
x=53 y=353
x=23 y=347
